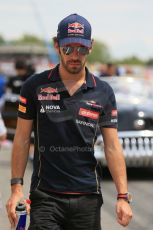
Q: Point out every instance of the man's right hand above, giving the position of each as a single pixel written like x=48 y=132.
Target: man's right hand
x=16 y=197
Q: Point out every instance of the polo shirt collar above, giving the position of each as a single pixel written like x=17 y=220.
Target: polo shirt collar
x=55 y=76
x=90 y=79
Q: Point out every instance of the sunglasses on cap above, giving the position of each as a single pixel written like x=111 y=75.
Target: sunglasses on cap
x=80 y=50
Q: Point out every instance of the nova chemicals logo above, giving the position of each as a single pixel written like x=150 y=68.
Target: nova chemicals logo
x=50 y=109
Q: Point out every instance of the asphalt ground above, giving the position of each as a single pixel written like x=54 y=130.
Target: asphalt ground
x=140 y=185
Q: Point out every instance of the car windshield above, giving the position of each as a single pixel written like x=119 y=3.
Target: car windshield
x=131 y=86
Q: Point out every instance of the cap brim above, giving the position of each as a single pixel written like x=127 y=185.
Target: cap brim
x=82 y=41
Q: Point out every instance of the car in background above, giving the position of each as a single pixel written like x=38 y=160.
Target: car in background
x=134 y=96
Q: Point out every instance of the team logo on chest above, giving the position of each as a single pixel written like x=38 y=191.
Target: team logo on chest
x=48 y=90
x=48 y=97
x=48 y=94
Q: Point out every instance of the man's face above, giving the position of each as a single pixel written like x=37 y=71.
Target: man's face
x=21 y=72
x=73 y=61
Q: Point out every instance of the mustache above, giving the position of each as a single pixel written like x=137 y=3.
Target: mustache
x=74 y=61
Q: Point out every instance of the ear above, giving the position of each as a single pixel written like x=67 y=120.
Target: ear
x=90 y=50
x=56 y=45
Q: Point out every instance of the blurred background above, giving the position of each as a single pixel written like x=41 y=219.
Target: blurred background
x=122 y=55
x=121 y=29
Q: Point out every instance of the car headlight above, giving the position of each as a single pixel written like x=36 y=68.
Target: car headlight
x=141 y=114
x=139 y=124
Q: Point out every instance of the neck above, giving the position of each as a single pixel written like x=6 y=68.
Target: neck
x=65 y=75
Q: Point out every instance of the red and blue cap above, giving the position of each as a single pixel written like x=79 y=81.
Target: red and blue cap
x=74 y=29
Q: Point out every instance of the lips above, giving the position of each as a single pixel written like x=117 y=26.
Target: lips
x=74 y=63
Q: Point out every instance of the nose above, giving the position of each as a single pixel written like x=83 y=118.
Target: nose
x=75 y=53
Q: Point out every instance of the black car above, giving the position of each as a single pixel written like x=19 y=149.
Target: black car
x=134 y=96
x=135 y=102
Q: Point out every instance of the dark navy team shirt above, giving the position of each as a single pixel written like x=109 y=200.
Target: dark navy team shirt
x=65 y=129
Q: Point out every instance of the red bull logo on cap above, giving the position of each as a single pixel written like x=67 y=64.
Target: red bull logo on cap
x=75 y=28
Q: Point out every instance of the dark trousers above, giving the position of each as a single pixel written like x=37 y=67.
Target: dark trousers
x=64 y=212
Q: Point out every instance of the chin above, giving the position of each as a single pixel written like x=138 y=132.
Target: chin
x=74 y=70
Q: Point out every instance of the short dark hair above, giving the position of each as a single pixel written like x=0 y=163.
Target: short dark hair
x=55 y=39
x=20 y=64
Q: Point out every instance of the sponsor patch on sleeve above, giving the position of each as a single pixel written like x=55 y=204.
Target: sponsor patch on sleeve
x=22 y=108
x=23 y=100
x=114 y=120
x=114 y=113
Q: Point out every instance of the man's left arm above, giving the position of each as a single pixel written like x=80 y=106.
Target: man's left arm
x=116 y=164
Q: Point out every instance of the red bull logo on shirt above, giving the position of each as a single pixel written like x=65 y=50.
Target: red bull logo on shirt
x=48 y=97
x=48 y=90
x=75 y=28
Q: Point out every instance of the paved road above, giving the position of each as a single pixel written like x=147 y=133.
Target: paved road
x=140 y=184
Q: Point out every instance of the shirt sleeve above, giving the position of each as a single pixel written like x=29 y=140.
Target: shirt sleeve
x=109 y=115
x=27 y=102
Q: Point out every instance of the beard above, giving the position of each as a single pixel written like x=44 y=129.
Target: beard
x=73 y=66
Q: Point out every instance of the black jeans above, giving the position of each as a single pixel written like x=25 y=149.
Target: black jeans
x=64 y=212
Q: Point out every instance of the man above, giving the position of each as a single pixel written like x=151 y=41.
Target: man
x=2 y=90
x=3 y=130
x=66 y=106
x=23 y=71
x=110 y=70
